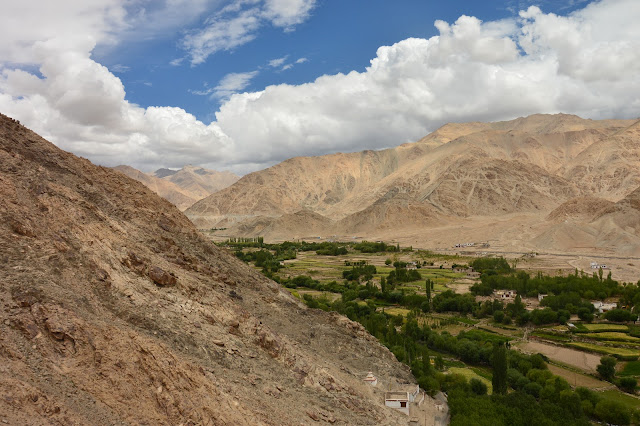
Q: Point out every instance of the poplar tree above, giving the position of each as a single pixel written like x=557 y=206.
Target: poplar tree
x=499 y=364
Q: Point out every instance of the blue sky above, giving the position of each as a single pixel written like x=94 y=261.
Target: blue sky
x=245 y=84
x=337 y=37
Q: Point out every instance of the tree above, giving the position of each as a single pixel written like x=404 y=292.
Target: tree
x=478 y=387
x=612 y=412
x=628 y=384
x=500 y=366
x=585 y=314
x=428 y=287
x=439 y=363
x=619 y=315
x=607 y=367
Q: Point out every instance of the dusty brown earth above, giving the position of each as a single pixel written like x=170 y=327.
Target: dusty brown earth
x=115 y=310
x=582 y=360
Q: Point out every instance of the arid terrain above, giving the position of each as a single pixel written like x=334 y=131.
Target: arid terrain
x=114 y=309
x=547 y=184
x=182 y=187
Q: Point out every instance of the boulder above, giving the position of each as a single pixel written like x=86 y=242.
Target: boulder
x=162 y=277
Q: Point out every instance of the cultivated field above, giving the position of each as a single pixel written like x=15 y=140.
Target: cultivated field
x=582 y=360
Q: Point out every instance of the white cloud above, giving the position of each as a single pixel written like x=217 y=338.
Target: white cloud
x=238 y=24
x=119 y=68
x=233 y=83
x=586 y=63
x=287 y=13
x=228 y=85
x=275 y=63
x=222 y=34
x=301 y=60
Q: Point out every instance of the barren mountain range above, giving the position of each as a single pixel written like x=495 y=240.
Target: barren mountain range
x=182 y=187
x=540 y=182
x=115 y=310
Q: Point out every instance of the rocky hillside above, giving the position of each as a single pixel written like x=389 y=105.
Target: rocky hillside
x=182 y=187
x=463 y=173
x=115 y=310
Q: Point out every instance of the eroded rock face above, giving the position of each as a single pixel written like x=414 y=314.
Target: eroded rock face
x=162 y=277
x=96 y=327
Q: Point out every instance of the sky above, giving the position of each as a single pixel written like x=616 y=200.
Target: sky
x=242 y=85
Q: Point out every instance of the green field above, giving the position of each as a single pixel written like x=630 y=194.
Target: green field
x=627 y=400
x=396 y=311
x=469 y=373
x=631 y=368
x=612 y=336
x=606 y=327
x=606 y=350
x=551 y=336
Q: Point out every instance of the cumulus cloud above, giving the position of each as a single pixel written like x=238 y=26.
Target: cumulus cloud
x=239 y=22
x=587 y=63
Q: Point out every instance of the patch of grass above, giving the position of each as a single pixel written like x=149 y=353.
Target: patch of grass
x=612 y=336
x=622 y=353
x=483 y=372
x=469 y=374
x=397 y=311
x=605 y=327
x=293 y=292
x=486 y=336
x=627 y=400
x=551 y=336
x=465 y=320
x=631 y=368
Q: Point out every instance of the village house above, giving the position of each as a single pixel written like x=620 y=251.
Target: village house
x=400 y=400
x=504 y=294
x=466 y=270
x=602 y=307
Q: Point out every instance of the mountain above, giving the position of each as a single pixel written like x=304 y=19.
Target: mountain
x=512 y=173
x=166 y=189
x=182 y=187
x=198 y=181
x=115 y=310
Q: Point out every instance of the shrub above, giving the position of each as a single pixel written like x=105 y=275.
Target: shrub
x=478 y=387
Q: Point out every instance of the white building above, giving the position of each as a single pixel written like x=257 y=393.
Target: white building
x=400 y=400
x=604 y=307
x=397 y=400
x=505 y=294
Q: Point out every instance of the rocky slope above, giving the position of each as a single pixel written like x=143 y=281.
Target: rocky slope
x=182 y=187
x=115 y=310
x=463 y=174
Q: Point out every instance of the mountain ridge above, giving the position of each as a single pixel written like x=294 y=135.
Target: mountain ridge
x=529 y=165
